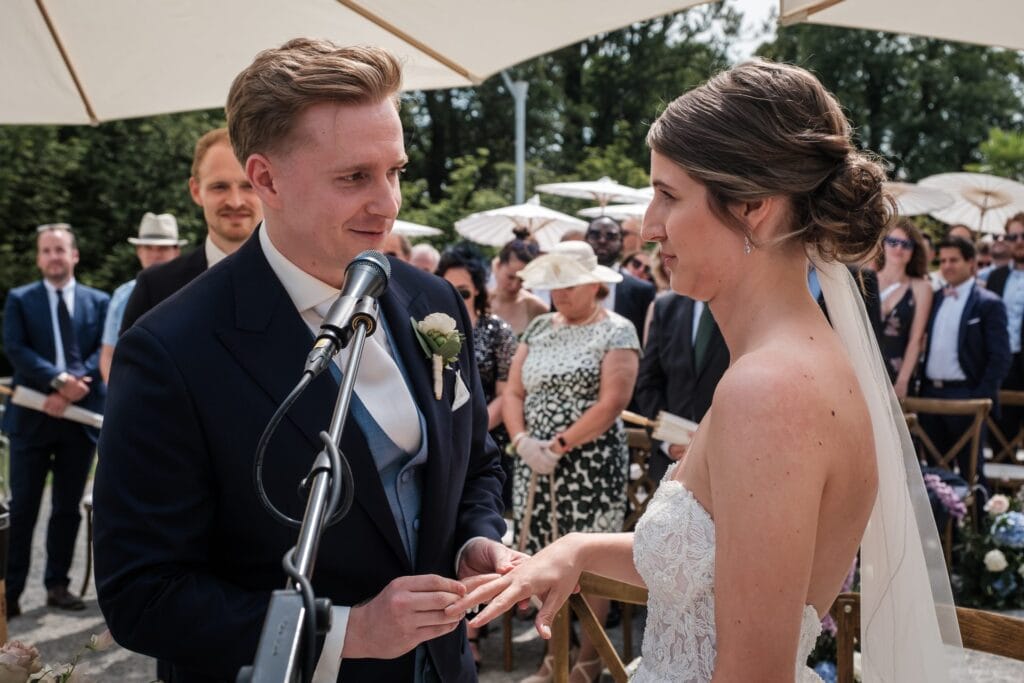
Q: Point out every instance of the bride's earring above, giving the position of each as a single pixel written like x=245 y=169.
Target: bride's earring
x=747 y=246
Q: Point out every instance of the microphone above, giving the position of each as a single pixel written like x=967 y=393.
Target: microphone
x=366 y=278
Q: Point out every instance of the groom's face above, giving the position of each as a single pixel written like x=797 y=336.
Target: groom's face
x=335 y=189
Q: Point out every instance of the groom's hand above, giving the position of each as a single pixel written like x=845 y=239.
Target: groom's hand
x=409 y=611
x=484 y=556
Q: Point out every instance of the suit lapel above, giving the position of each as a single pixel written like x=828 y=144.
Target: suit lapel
x=398 y=304
x=972 y=302
x=270 y=340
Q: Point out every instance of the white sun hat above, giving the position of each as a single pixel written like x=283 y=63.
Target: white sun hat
x=567 y=264
x=158 y=231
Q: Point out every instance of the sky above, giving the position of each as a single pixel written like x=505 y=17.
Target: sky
x=755 y=12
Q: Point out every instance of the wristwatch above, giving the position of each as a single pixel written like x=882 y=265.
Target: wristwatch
x=59 y=381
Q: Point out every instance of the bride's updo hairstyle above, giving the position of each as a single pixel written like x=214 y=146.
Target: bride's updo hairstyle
x=762 y=129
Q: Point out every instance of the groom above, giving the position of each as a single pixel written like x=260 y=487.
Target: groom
x=186 y=557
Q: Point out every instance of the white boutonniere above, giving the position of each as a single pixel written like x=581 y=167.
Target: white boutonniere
x=441 y=341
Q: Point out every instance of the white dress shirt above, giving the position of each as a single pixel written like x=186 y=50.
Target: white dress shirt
x=397 y=416
x=68 y=292
x=944 y=352
x=214 y=254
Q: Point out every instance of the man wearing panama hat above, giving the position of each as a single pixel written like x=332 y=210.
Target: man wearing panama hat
x=157 y=242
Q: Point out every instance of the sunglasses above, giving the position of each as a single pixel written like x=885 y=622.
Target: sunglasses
x=464 y=293
x=598 y=235
x=1013 y=237
x=637 y=263
x=895 y=242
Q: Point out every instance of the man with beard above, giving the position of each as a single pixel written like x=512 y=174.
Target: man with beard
x=231 y=209
x=52 y=333
x=631 y=297
x=1007 y=282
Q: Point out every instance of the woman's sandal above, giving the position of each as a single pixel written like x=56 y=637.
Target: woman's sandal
x=545 y=674
x=586 y=672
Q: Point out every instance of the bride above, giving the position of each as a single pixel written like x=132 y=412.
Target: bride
x=747 y=542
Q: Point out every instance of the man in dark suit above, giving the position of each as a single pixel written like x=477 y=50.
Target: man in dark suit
x=186 y=557
x=1007 y=282
x=968 y=350
x=632 y=297
x=52 y=333
x=684 y=357
x=231 y=209
x=867 y=284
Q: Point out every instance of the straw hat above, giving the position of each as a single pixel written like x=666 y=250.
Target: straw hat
x=158 y=231
x=567 y=264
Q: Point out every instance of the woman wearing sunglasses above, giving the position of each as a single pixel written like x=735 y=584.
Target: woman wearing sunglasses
x=906 y=301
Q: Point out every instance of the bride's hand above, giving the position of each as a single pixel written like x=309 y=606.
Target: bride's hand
x=552 y=575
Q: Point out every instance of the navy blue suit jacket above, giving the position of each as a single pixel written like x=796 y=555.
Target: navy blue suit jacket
x=186 y=557
x=633 y=297
x=31 y=347
x=983 y=343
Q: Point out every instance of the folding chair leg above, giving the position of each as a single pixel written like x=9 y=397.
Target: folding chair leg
x=88 y=548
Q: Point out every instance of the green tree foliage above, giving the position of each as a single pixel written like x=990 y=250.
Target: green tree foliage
x=1001 y=154
x=924 y=104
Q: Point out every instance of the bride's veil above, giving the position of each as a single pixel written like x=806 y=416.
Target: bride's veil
x=907 y=609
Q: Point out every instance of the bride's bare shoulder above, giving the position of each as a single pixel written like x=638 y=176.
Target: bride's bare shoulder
x=786 y=401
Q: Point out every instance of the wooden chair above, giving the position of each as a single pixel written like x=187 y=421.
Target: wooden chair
x=989 y=632
x=975 y=408
x=1004 y=471
x=599 y=587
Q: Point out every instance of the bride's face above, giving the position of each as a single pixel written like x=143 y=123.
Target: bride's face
x=696 y=247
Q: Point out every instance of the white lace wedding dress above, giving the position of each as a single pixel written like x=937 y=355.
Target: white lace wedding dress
x=674 y=551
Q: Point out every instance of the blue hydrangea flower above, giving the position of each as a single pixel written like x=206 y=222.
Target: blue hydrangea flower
x=827 y=671
x=1008 y=530
x=1004 y=585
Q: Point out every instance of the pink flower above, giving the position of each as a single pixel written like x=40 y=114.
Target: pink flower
x=18 y=661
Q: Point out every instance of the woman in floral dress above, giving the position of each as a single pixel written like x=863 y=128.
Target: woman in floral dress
x=572 y=375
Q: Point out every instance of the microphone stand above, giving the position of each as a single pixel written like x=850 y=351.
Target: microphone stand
x=281 y=639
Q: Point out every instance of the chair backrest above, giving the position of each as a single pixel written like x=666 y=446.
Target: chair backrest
x=640 y=489
x=1008 y=444
x=598 y=587
x=989 y=632
x=975 y=408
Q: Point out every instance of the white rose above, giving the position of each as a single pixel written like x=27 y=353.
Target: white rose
x=1020 y=570
x=995 y=561
x=997 y=505
x=440 y=323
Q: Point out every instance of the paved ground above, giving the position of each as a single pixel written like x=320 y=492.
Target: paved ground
x=60 y=635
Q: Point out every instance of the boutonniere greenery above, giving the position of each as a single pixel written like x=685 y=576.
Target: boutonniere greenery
x=441 y=341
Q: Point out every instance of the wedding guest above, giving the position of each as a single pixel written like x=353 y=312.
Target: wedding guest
x=906 y=302
x=51 y=332
x=157 y=243
x=572 y=375
x=968 y=351
x=637 y=264
x=397 y=245
x=509 y=300
x=218 y=185
x=424 y=257
x=631 y=297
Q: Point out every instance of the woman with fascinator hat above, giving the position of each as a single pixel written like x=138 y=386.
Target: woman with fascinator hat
x=748 y=540
x=571 y=376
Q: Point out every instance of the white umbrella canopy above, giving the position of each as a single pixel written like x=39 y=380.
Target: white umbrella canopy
x=497 y=226
x=993 y=22
x=915 y=200
x=69 y=61
x=603 y=191
x=414 y=229
x=982 y=202
x=619 y=212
